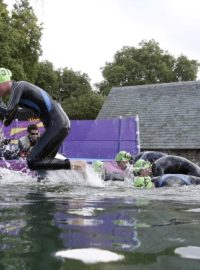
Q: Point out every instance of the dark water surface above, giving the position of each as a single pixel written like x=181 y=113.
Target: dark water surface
x=149 y=229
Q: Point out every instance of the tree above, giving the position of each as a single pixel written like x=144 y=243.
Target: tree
x=5 y=48
x=73 y=83
x=103 y=87
x=25 y=41
x=147 y=64
x=47 y=77
x=83 y=107
x=186 y=70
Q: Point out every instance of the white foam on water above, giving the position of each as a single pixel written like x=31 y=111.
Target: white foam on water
x=189 y=252
x=81 y=184
x=90 y=255
x=15 y=177
x=72 y=177
x=68 y=177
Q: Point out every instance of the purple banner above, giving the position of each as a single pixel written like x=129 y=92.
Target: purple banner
x=90 y=139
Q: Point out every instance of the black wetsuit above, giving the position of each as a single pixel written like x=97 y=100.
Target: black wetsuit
x=55 y=121
x=150 y=156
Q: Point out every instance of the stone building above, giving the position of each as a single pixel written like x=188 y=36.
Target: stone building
x=169 y=115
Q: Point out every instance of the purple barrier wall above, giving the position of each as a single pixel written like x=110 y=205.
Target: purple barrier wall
x=91 y=139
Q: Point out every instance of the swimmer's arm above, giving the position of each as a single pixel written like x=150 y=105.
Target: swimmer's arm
x=8 y=119
x=1 y=117
x=7 y=113
x=7 y=116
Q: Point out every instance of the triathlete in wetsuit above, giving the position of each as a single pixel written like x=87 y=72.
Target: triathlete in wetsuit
x=50 y=112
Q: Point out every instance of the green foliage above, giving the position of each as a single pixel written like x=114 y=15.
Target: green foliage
x=47 y=77
x=25 y=41
x=104 y=87
x=5 y=49
x=186 y=70
x=86 y=106
x=147 y=64
x=20 y=49
x=73 y=83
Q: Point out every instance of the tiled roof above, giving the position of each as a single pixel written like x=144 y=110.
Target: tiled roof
x=169 y=113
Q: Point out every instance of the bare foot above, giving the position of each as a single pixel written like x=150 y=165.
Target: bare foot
x=78 y=165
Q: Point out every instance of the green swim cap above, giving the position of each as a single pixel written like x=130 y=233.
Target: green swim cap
x=143 y=182
x=141 y=164
x=123 y=156
x=98 y=166
x=5 y=75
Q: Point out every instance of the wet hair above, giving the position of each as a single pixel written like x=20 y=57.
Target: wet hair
x=32 y=127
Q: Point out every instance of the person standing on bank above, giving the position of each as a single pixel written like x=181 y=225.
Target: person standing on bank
x=55 y=121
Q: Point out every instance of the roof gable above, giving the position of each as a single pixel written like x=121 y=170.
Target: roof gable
x=169 y=113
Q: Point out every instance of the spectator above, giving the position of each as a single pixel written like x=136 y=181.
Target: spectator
x=26 y=143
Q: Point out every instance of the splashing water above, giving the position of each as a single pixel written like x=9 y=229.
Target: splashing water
x=71 y=178
x=14 y=177
x=82 y=183
x=90 y=178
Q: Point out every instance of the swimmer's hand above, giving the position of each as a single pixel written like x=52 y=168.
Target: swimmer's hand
x=1 y=117
x=6 y=122
x=8 y=118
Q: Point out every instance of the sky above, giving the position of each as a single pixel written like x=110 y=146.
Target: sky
x=85 y=34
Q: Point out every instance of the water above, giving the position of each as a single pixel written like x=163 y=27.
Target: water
x=68 y=222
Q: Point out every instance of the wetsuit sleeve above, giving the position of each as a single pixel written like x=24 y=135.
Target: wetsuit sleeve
x=9 y=118
x=1 y=114
x=8 y=112
x=1 y=117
